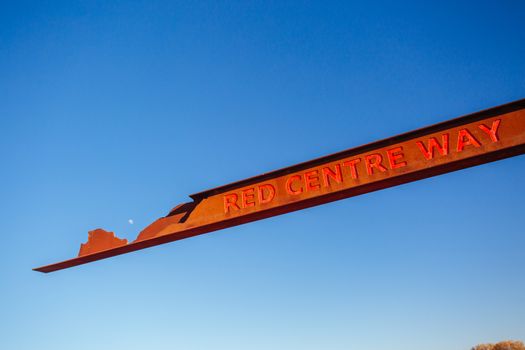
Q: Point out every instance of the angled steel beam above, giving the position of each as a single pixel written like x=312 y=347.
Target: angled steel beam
x=474 y=139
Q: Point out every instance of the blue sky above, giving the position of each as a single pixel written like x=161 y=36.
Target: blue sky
x=118 y=111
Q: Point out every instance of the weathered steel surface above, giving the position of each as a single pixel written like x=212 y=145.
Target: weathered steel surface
x=471 y=140
x=99 y=240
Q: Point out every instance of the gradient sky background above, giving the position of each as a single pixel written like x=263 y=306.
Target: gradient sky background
x=118 y=111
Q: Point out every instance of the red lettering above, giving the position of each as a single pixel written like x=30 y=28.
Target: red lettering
x=353 y=169
x=270 y=190
x=230 y=201
x=374 y=161
x=434 y=144
x=394 y=155
x=465 y=138
x=492 y=132
x=330 y=174
x=311 y=179
x=288 y=185
x=248 y=198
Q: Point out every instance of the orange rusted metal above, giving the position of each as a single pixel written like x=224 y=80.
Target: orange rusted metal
x=467 y=141
x=99 y=240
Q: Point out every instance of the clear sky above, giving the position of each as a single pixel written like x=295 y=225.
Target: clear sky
x=117 y=111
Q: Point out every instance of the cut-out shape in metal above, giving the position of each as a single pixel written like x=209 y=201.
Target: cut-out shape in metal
x=100 y=240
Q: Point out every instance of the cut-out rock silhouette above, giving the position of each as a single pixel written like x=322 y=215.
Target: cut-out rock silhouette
x=99 y=240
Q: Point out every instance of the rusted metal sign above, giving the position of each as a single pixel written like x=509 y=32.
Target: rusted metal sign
x=470 y=140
